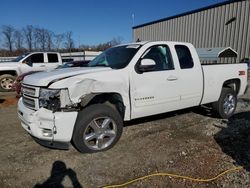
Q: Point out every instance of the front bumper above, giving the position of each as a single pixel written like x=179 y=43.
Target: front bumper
x=46 y=127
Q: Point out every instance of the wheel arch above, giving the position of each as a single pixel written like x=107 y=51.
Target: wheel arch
x=234 y=84
x=10 y=72
x=113 y=99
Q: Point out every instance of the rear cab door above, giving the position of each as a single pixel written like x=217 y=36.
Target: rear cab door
x=190 y=75
x=52 y=60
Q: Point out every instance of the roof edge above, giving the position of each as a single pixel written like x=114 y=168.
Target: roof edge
x=187 y=13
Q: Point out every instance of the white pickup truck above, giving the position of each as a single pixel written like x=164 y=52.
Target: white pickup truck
x=87 y=106
x=35 y=61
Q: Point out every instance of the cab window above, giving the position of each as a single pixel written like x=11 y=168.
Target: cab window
x=52 y=58
x=184 y=56
x=35 y=58
x=161 y=56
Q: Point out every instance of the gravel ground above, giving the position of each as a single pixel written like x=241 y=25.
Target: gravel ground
x=190 y=142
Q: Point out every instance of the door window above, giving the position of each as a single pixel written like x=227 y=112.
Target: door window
x=52 y=58
x=162 y=57
x=184 y=56
x=35 y=58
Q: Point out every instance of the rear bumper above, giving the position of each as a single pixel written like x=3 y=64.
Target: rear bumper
x=48 y=128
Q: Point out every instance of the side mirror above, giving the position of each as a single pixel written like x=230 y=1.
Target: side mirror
x=147 y=65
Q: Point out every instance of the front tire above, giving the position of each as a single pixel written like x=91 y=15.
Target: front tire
x=6 y=82
x=98 y=128
x=226 y=105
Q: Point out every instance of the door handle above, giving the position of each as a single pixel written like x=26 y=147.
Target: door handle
x=42 y=65
x=172 y=78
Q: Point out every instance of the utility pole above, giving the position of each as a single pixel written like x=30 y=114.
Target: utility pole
x=133 y=20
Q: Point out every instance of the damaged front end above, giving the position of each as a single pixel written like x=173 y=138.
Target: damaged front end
x=55 y=100
x=48 y=115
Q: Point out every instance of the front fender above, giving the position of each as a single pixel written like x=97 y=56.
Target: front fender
x=91 y=87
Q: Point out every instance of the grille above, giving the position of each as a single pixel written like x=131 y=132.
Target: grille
x=30 y=103
x=30 y=96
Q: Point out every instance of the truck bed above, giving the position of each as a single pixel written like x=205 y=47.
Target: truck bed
x=216 y=74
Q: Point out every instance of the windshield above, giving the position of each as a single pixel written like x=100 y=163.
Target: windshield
x=116 y=57
x=20 y=57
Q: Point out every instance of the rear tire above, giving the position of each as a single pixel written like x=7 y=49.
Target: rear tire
x=6 y=82
x=98 y=128
x=226 y=105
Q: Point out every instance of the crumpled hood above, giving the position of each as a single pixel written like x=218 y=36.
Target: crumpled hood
x=45 y=78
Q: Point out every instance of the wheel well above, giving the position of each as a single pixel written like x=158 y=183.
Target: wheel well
x=112 y=99
x=234 y=84
x=13 y=73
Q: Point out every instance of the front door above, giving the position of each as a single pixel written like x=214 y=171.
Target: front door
x=34 y=62
x=156 y=90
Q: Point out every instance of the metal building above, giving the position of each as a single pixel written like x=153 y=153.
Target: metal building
x=220 y=25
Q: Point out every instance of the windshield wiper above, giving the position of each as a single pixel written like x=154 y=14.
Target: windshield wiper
x=100 y=65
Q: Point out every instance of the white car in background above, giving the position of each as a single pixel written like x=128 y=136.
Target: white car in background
x=34 y=61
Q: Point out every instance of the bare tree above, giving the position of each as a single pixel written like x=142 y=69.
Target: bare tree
x=0 y=40
x=44 y=39
x=58 y=40
x=40 y=38
x=104 y=46
x=116 y=41
x=8 y=33
x=50 y=35
x=69 y=42
x=29 y=36
x=18 y=39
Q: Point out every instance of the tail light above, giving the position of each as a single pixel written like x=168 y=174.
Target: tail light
x=242 y=73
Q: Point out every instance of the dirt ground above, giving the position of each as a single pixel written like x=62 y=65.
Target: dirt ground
x=191 y=142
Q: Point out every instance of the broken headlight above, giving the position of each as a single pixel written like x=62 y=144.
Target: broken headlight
x=53 y=99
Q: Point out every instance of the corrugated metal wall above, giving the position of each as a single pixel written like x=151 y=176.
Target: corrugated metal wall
x=221 y=26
